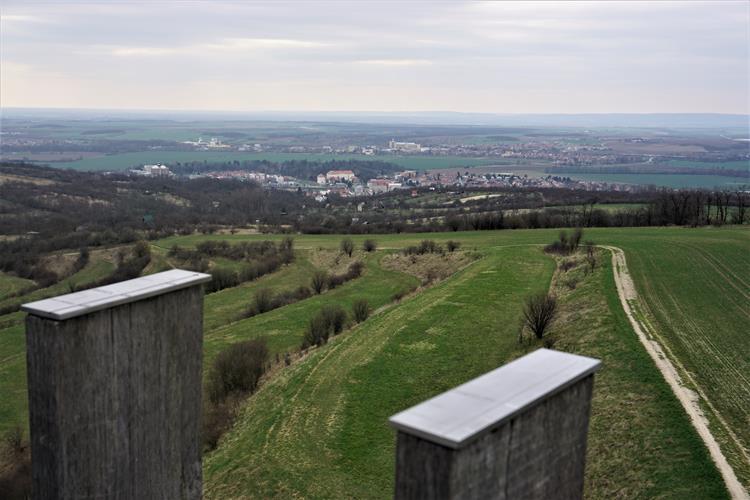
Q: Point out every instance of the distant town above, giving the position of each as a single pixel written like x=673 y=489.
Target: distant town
x=346 y=184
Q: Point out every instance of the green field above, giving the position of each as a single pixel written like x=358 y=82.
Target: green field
x=733 y=165
x=668 y=180
x=318 y=428
x=125 y=161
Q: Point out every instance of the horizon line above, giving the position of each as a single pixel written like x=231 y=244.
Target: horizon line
x=375 y=112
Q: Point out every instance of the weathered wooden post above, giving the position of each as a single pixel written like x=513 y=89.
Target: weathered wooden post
x=516 y=432
x=114 y=376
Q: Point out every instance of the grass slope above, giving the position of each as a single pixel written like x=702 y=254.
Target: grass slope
x=284 y=327
x=319 y=429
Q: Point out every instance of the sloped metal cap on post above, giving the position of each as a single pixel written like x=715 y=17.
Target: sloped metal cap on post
x=114 y=376
x=516 y=432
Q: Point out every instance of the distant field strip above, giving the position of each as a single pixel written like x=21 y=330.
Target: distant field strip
x=689 y=399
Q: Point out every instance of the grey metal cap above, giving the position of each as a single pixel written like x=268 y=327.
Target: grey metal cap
x=460 y=415
x=95 y=299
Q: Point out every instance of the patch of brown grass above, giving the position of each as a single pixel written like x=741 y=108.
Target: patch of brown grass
x=333 y=261
x=428 y=267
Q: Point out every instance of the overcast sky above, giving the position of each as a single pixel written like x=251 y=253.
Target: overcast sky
x=524 y=57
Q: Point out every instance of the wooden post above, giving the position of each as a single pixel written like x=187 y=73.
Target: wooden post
x=516 y=432
x=114 y=376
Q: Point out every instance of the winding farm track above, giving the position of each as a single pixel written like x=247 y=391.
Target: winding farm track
x=687 y=397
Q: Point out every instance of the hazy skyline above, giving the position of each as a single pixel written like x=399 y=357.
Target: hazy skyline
x=510 y=57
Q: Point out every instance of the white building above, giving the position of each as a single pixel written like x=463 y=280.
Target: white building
x=340 y=175
x=157 y=170
x=322 y=179
x=406 y=147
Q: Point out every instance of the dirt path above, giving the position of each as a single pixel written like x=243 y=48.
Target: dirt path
x=688 y=398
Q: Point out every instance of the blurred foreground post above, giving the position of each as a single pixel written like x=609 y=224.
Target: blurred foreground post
x=516 y=432
x=114 y=376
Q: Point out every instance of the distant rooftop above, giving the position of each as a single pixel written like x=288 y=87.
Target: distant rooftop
x=95 y=299
x=480 y=405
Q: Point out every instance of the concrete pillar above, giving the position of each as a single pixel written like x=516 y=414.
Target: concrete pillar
x=114 y=377
x=516 y=432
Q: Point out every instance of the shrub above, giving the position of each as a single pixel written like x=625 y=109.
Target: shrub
x=335 y=318
x=571 y=283
x=565 y=245
x=424 y=247
x=237 y=369
x=347 y=246
x=330 y=320
x=360 y=310
x=369 y=245
x=217 y=419
x=221 y=278
x=591 y=255
x=316 y=333
x=335 y=280
x=263 y=300
x=286 y=244
x=452 y=246
x=567 y=265
x=354 y=271
x=81 y=261
x=539 y=312
x=319 y=281
x=302 y=292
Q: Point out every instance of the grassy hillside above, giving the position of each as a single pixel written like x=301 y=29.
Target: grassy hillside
x=284 y=327
x=320 y=428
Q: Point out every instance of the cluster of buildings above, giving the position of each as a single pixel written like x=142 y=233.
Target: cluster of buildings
x=405 y=147
x=157 y=170
x=336 y=176
x=268 y=180
x=211 y=144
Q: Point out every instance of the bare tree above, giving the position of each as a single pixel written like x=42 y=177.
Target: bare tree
x=319 y=280
x=739 y=216
x=539 y=312
x=360 y=310
x=591 y=255
x=347 y=246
